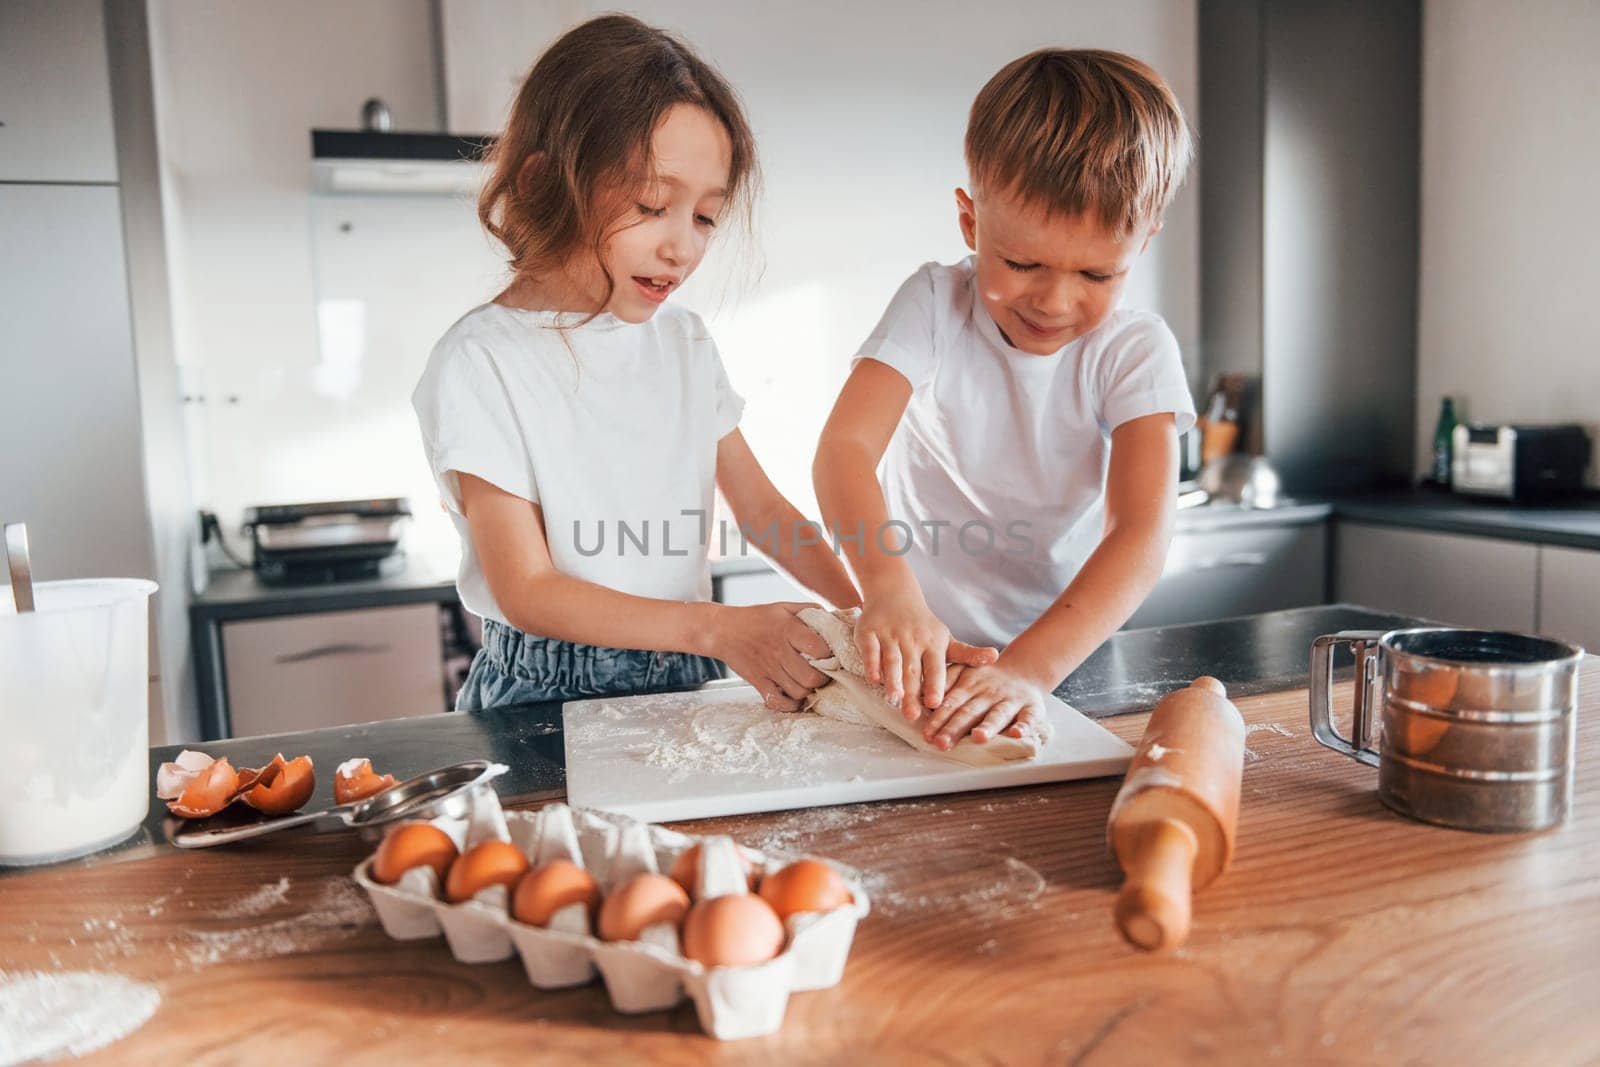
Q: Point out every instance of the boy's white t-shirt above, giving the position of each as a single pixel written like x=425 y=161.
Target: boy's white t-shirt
x=993 y=438
x=599 y=423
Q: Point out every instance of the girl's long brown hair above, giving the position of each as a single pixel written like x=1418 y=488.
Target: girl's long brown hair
x=576 y=151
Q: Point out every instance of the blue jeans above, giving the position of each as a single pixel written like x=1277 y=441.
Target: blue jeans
x=517 y=668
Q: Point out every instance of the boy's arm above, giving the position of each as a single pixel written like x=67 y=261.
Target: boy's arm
x=1113 y=582
x=777 y=526
x=903 y=645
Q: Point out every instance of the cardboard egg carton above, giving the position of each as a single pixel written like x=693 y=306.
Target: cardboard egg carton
x=650 y=974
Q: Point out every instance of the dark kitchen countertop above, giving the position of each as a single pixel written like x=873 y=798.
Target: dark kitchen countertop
x=1129 y=673
x=1573 y=523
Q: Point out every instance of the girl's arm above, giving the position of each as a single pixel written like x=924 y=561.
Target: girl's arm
x=1113 y=582
x=767 y=645
x=777 y=526
x=903 y=644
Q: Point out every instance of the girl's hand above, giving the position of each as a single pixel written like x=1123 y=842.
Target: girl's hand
x=905 y=649
x=985 y=701
x=768 y=646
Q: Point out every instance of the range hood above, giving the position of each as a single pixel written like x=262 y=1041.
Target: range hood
x=379 y=161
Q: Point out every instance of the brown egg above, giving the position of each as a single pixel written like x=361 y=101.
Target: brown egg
x=280 y=787
x=805 y=885
x=354 y=780
x=686 y=869
x=412 y=844
x=547 y=889
x=643 y=900
x=207 y=792
x=484 y=864
x=732 y=931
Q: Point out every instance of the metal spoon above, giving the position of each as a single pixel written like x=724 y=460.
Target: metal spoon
x=16 y=538
x=446 y=791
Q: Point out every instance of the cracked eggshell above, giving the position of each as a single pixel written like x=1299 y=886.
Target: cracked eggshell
x=354 y=780
x=281 y=786
x=207 y=792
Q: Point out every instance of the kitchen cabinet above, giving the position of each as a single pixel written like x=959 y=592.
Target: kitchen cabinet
x=55 y=93
x=299 y=672
x=1217 y=574
x=1569 y=595
x=1464 y=581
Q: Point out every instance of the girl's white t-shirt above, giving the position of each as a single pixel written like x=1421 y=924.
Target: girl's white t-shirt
x=601 y=424
x=998 y=466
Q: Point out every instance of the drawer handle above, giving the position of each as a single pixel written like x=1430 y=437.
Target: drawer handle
x=340 y=649
x=1228 y=559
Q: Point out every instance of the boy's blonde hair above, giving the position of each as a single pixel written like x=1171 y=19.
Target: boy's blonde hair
x=1080 y=130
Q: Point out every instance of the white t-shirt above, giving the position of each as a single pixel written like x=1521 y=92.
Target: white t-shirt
x=604 y=423
x=1010 y=446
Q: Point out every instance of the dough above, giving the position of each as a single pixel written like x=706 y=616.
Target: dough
x=849 y=697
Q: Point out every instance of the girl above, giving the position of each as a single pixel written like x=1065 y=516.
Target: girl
x=578 y=424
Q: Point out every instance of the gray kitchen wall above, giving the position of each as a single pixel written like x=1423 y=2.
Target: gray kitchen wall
x=1309 y=146
x=1510 y=273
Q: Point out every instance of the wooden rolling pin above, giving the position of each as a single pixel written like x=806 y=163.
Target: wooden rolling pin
x=1173 y=822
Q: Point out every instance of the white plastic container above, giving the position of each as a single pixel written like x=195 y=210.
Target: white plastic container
x=74 y=707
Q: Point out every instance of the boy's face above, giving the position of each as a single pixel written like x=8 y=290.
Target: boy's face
x=1045 y=280
x=664 y=236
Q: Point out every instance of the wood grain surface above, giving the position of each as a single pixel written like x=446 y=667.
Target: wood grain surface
x=1342 y=934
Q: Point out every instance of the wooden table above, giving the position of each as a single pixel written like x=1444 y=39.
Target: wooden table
x=1343 y=933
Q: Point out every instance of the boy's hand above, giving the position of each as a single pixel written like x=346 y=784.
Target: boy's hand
x=768 y=646
x=985 y=701
x=905 y=647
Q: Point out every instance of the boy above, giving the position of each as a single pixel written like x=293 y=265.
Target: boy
x=1027 y=427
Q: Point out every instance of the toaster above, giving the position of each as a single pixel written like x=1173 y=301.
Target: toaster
x=1519 y=462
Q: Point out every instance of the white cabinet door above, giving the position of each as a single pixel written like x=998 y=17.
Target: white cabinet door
x=1569 y=595
x=1463 y=581
x=55 y=93
x=299 y=672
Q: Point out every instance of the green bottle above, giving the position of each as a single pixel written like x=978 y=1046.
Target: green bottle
x=1443 y=437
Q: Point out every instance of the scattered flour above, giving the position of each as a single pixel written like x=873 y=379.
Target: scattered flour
x=338 y=910
x=795 y=831
x=1250 y=754
x=48 y=1016
x=1015 y=887
x=688 y=738
x=263 y=900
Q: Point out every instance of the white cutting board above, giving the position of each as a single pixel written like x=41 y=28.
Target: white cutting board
x=717 y=751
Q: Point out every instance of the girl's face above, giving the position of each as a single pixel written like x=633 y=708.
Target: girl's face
x=666 y=233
